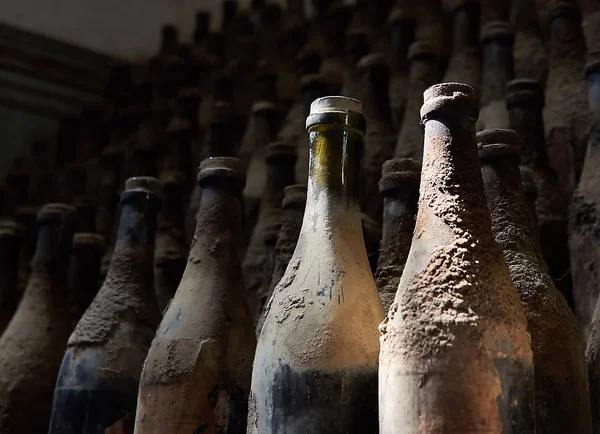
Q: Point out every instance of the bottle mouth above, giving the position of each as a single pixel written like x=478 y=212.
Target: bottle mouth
x=57 y=212
x=400 y=173
x=339 y=110
x=523 y=90
x=496 y=143
x=88 y=239
x=452 y=100
x=496 y=30
x=223 y=167
x=144 y=184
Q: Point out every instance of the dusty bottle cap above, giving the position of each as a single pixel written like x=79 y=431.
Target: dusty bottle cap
x=294 y=195
x=88 y=239
x=11 y=228
x=400 y=173
x=374 y=60
x=226 y=167
x=419 y=49
x=495 y=143
x=528 y=181
x=495 y=30
x=57 y=212
x=144 y=184
x=593 y=63
x=561 y=8
x=281 y=148
x=449 y=99
x=339 y=110
x=524 y=90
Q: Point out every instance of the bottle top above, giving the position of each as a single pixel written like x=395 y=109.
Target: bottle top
x=227 y=167
x=561 y=8
x=449 y=99
x=398 y=173
x=144 y=184
x=26 y=213
x=373 y=60
x=52 y=212
x=593 y=63
x=329 y=104
x=88 y=239
x=399 y=14
x=263 y=106
x=496 y=30
x=337 y=110
x=281 y=148
x=10 y=228
x=313 y=80
x=495 y=143
x=420 y=49
x=524 y=90
x=294 y=195
x=172 y=178
x=528 y=181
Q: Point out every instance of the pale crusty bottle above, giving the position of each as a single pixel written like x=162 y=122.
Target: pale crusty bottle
x=455 y=352
x=315 y=368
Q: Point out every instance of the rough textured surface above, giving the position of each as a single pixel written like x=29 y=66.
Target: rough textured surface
x=201 y=356
x=561 y=386
x=456 y=313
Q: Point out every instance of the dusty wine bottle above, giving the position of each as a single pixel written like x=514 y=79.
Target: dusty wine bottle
x=531 y=194
x=530 y=55
x=318 y=346
x=35 y=339
x=98 y=380
x=399 y=188
x=456 y=313
x=561 y=386
x=207 y=325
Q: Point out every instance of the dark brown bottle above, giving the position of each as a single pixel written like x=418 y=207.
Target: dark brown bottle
x=531 y=194
x=11 y=238
x=566 y=88
x=497 y=40
x=208 y=326
x=83 y=280
x=456 y=314
x=584 y=221
x=402 y=23
x=530 y=53
x=280 y=163
x=561 y=386
x=465 y=64
x=294 y=202
x=171 y=252
x=399 y=188
x=317 y=352
x=424 y=72
x=380 y=138
x=525 y=102
x=34 y=341
x=98 y=380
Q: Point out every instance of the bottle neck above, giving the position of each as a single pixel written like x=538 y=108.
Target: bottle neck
x=507 y=205
x=524 y=15
x=497 y=70
x=375 y=97
x=423 y=71
x=84 y=276
x=52 y=250
x=566 y=39
x=466 y=26
x=527 y=120
x=220 y=142
x=399 y=211
x=216 y=243
x=402 y=34
x=594 y=94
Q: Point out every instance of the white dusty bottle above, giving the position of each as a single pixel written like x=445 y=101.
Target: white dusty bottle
x=455 y=352
x=315 y=368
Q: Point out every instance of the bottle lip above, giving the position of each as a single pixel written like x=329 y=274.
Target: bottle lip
x=373 y=60
x=561 y=8
x=10 y=227
x=495 y=30
x=523 y=90
x=223 y=167
x=340 y=110
x=494 y=143
x=449 y=100
x=144 y=184
x=294 y=195
x=57 y=212
x=88 y=239
x=281 y=148
x=420 y=49
x=400 y=173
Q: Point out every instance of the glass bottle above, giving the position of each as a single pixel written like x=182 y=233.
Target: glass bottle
x=317 y=352
x=584 y=217
x=465 y=64
x=34 y=341
x=423 y=60
x=280 y=164
x=497 y=40
x=98 y=381
x=561 y=385
x=197 y=374
x=525 y=102
x=11 y=238
x=456 y=313
x=399 y=188
x=531 y=194
x=530 y=53
x=566 y=87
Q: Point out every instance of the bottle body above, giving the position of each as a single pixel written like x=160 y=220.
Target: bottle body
x=308 y=365
x=456 y=312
